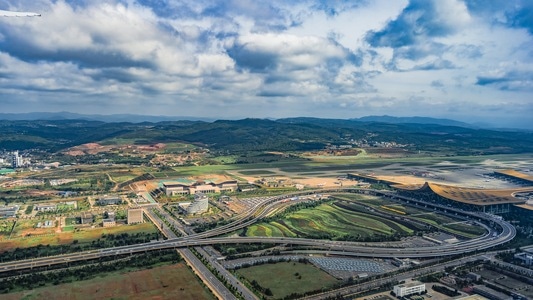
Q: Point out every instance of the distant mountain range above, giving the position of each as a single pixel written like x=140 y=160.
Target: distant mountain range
x=245 y=135
x=132 y=118
x=413 y=120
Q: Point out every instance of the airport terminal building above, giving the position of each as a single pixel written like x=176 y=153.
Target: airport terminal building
x=485 y=200
x=174 y=188
x=494 y=201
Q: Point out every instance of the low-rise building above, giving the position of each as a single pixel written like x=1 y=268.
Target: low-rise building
x=86 y=218
x=473 y=276
x=399 y=262
x=109 y=219
x=8 y=211
x=109 y=222
x=525 y=257
x=67 y=193
x=173 y=188
x=45 y=207
x=109 y=200
x=490 y=293
x=414 y=287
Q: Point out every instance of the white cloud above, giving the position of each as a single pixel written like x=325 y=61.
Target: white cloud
x=272 y=58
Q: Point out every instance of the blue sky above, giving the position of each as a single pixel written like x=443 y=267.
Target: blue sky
x=464 y=60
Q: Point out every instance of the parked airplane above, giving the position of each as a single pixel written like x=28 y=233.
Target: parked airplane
x=7 y=13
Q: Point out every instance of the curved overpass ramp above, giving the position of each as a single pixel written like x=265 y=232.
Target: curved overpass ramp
x=505 y=233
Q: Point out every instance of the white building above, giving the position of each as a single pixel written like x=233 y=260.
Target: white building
x=16 y=160
x=8 y=211
x=173 y=188
x=45 y=207
x=109 y=200
x=525 y=257
x=410 y=288
x=198 y=206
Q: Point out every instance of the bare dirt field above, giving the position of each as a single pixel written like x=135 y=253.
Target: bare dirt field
x=306 y=181
x=317 y=181
x=167 y=282
x=144 y=186
x=212 y=177
x=95 y=148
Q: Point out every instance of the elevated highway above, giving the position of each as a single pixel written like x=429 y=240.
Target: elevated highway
x=500 y=232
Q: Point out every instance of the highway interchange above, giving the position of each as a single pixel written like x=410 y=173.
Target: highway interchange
x=499 y=232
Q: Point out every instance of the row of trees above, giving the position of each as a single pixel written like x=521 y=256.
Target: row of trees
x=87 y=271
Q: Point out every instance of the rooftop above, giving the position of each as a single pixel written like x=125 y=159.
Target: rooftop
x=470 y=195
x=410 y=284
x=473 y=297
x=516 y=174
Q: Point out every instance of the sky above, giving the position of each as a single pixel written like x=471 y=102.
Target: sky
x=231 y=59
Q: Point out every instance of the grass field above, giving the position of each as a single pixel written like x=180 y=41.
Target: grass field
x=442 y=222
x=257 y=172
x=120 y=173
x=5 y=226
x=225 y=159
x=82 y=236
x=178 y=147
x=349 y=221
x=465 y=229
x=165 y=282
x=23 y=227
x=451 y=225
x=121 y=176
x=329 y=221
x=117 y=141
x=282 y=280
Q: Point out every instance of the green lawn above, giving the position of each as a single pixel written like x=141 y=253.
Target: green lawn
x=66 y=237
x=286 y=278
x=329 y=221
x=68 y=228
x=256 y=172
x=5 y=227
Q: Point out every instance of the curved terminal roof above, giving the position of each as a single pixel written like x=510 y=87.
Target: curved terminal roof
x=515 y=174
x=469 y=195
x=525 y=206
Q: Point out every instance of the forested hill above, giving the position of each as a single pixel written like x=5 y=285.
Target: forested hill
x=261 y=135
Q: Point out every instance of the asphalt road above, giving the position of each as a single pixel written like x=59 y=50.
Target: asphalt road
x=500 y=232
x=217 y=287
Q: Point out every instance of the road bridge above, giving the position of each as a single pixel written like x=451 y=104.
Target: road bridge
x=501 y=232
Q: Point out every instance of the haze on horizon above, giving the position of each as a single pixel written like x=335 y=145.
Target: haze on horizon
x=461 y=60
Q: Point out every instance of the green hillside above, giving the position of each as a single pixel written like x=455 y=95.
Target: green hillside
x=245 y=135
